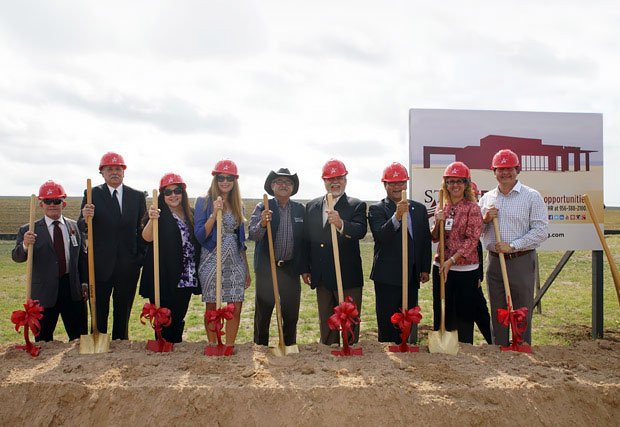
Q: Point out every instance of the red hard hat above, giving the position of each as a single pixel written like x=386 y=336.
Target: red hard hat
x=457 y=170
x=171 y=179
x=225 y=166
x=51 y=190
x=505 y=159
x=333 y=168
x=112 y=159
x=474 y=188
x=395 y=173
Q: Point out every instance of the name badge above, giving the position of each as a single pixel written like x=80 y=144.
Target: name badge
x=298 y=219
x=448 y=225
x=73 y=240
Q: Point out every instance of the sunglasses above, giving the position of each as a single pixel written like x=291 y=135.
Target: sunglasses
x=52 y=201
x=169 y=192
x=456 y=181
x=222 y=178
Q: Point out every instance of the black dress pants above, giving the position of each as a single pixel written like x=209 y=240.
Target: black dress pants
x=73 y=314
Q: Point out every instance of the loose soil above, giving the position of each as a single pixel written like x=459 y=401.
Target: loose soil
x=579 y=384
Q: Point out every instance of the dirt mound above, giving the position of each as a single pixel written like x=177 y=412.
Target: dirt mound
x=481 y=386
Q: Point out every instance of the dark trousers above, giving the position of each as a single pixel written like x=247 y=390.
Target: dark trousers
x=482 y=317
x=389 y=300
x=122 y=289
x=178 y=303
x=461 y=301
x=73 y=314
x=327 y=299
x=289 y=288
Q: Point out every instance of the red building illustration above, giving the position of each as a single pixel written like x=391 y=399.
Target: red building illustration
x=534 y=155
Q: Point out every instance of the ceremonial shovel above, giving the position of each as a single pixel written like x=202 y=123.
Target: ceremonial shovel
x=158 y=316
x=443 y=341
x=515 y=319
x=32 y=313
x=217 y=316
x=281 y=349
x=97 y=342
x=405 y=318
x=346 y=313
x=614 y=270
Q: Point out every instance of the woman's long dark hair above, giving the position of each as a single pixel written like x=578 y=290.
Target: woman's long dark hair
x=161 y=204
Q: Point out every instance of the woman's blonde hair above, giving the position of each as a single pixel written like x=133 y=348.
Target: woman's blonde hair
x=468 y=193
x=236 y=204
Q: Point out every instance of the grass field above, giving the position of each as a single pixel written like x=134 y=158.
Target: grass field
x=565 y=318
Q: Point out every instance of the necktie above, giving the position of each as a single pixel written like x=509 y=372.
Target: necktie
x=115 y=202
x=59 y=248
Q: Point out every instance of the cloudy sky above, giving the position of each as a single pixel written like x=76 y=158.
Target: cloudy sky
x=177 y=85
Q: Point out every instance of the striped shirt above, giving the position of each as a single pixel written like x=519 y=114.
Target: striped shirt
x=522 y=216
x=283 y=238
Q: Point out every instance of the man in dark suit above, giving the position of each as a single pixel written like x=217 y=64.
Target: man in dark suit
x=287 y=223
x=58 y=267
x=118 y=247
x=385 y=220
x=349 y=217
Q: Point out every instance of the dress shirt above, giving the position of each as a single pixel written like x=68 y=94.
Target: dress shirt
x=119 y=195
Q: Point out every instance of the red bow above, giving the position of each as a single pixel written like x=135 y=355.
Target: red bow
x=29 y=319
x=345 y=316
x=517 y=319
x=217 y=316
x=157 y=317
x=403 y=320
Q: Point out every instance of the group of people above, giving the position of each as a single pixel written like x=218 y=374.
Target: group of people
x=123 y=235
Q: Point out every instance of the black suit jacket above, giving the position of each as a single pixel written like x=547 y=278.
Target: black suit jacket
x=318 y=251
x=118 y=244
x=45 y=262
x=387 y=261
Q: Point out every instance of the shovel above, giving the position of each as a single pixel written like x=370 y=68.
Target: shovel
x=217 y=316
x=405 y=318
x=516 y=318
x=346 y=313
x=32 y=313
x=281 y=349
x=443 y=341
x=612 y=265
x=158 y=316
x=95 y=342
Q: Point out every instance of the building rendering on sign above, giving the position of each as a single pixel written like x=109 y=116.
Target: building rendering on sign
x=534 y=155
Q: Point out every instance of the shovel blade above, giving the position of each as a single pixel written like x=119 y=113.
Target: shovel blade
x=282 y=350
x=404 y=348
x=158 y=346
x=446 y=342
x=95 y=343
x=219 y=350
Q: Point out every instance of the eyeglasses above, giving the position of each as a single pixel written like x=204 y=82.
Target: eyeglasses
x=222 y=178
x=177 y=190
x=283 y=182
x=456 y=181
x=52 y=201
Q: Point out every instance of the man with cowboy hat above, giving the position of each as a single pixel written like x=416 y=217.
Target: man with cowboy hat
x=287 y=220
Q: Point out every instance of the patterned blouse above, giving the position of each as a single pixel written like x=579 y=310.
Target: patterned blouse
x=465 y=233
x=188 y=273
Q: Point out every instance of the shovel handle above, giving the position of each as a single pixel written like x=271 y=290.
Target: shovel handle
x=330 y=206
x=30 y=248
x=502 y=263
x=274 y=276
x=442 y=281
x=156 y=253
x=218 y=259
x=610 y=260
x=405 y=257
x=91 y=260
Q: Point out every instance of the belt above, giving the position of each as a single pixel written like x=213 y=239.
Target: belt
x=282 y=263
x=512 y=254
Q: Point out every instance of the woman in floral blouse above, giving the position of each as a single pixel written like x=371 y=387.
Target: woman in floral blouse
x=463 y=225
x=179 y=253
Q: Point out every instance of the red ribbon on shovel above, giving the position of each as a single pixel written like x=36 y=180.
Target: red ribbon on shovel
x=403 y=321
x=159 y=318
x=29 y=319
x=345 y=316
x=517 y=319
x=217 y=317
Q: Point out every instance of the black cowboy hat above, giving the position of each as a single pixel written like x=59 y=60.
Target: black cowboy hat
x=282 y=172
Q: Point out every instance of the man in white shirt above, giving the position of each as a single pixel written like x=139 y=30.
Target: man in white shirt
x=523 y=223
